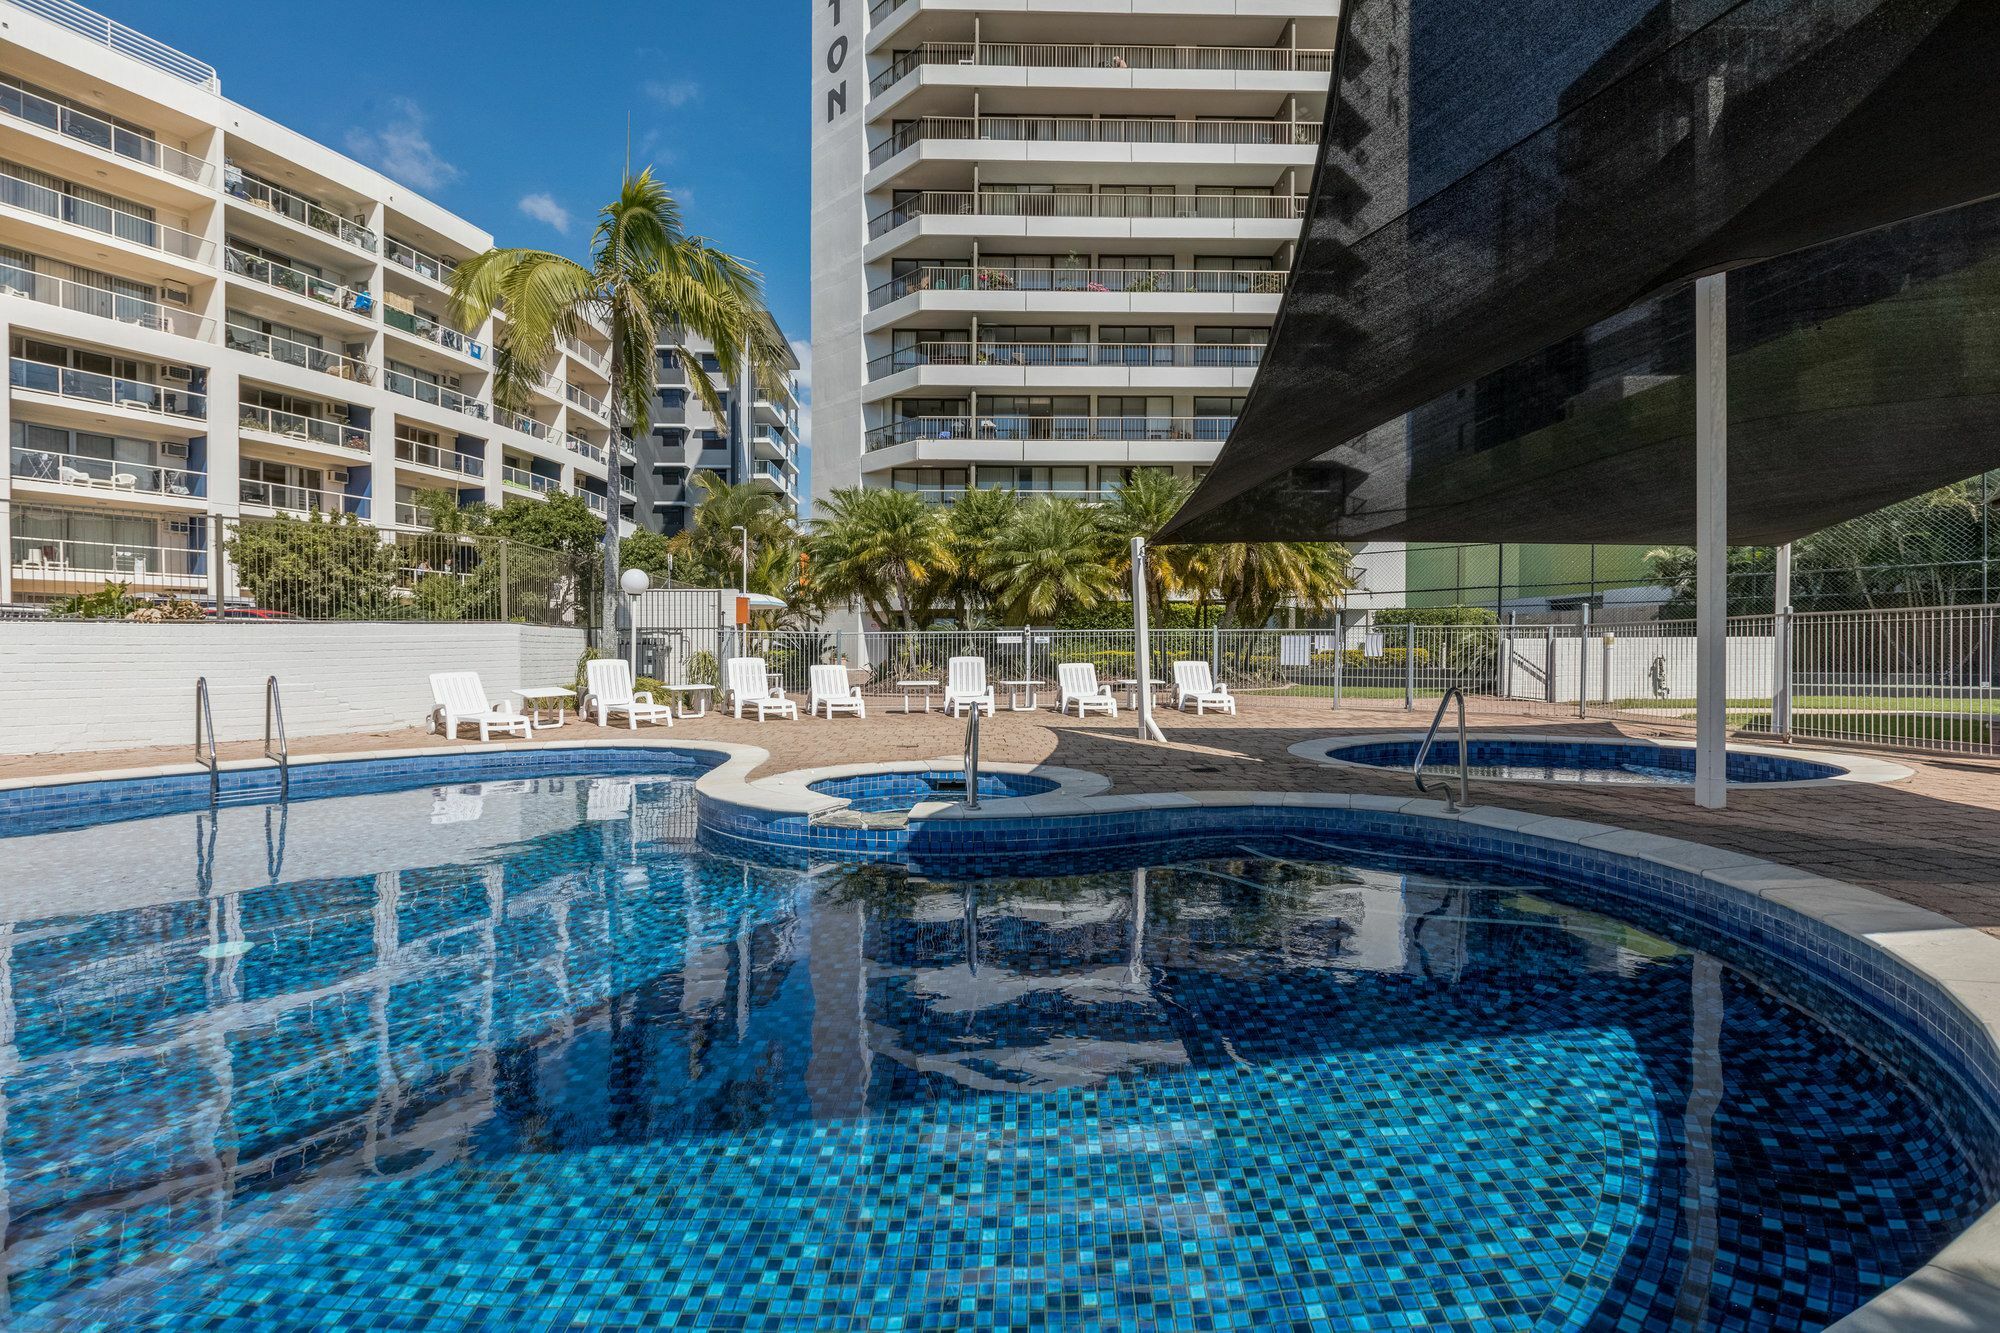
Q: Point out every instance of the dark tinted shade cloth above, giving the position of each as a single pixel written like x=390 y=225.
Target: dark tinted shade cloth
x=1488 y=330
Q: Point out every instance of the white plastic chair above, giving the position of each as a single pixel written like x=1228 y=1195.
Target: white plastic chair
x=609 y=680
x=1078 y=684
x=1194 y=685
x=458 y=697
x=831 y=690
x=965 y=686
x=750 y=686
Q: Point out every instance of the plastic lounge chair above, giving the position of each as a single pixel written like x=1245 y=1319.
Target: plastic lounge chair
x=610 y=691
x=965 y=686
x=831 y=690
x=1078 y=684
x=1194 y=685
x=750 y=687
x=458 y=697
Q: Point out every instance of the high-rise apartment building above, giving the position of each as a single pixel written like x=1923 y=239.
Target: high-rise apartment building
x=209 y=317
x=684 y=438
x=1050 y=238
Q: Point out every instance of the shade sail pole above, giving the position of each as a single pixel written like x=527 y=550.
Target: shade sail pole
x=1711 y=548
x=1142 y=645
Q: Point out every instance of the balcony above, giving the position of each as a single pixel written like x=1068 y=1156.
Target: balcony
x=296 y=208
x=1085 y=281
x=435 y=394
x=767 y=442
x=108 y=476
x=89 y=387
x=1097 y=130
x=589 y=355
x=102 y=303
x=576 y=444
x=527 y=425
x=1116 y=356
x=522 y=479
x=296 y=282
x=71 y=211
x=430 y=267
x=27 y=108
x=291 y=428
x=586 y=400
x=301 y=500
x=440 y=460
x=413 y=516
x=626 y=453
x=113 y=35
x=417 y=326
x=1109 y=57
x=1085 y=204
x=770 y=477
x=597 y=503
x=944 y=495
x=271 y=347
x=51 y=565
x=1122 y=430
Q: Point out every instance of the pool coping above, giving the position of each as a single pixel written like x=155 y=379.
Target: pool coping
x=1957 y=1288
x=1855 y=768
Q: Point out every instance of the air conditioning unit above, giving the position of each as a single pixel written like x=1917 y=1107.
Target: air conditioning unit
x=180 y=296
x=183 y=374
x=173 y=449
x=337 y=475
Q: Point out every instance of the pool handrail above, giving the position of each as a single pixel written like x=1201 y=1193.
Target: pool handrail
x=283 y=758
x=204 y=718
x=972 y=758
x=1452 y=804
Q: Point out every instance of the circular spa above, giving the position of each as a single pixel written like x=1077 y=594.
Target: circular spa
x=524 y=1051
x=1628 y=761
x=890 y=790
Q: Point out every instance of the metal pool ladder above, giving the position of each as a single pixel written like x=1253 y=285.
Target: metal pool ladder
x=1452 y=804
x=204 y=723
x=972 y=758
x=274 y=707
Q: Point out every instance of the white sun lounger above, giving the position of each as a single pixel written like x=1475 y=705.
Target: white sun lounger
x=750 y=687
x=831 y=691
x=1194 y=685
x=610 y=691
x=1077 y=682
x=457 y=697
x=965 y=686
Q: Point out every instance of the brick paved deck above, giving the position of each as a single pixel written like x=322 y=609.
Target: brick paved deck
x=1933 y=840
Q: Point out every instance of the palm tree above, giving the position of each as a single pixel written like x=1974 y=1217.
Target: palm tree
x=974 y=525
x=885 y=548
x=1056 y=556
x=1254 y=579
x=647 y=282
x=1142 y=508
x=710 y=550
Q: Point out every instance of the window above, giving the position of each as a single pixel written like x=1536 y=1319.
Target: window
x=940 y=484
x=408 y=434
x=1039 y=480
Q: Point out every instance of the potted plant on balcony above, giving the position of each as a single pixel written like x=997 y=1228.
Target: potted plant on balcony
x=996 y=280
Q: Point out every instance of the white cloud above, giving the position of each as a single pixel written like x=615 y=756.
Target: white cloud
x=401 y=149
x=542 y=207
x=674 y=93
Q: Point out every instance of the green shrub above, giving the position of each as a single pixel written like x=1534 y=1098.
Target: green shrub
x=111 y=602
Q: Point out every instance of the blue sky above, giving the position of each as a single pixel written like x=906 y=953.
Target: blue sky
x=513 y=115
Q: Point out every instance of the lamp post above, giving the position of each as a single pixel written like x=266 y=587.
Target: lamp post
x=634 y=582
x=745 y=588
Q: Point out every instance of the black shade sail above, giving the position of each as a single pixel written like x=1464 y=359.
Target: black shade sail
x=1488 y=332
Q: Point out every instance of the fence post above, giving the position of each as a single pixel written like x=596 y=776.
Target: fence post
x=1410 y=667
x=1781 y=647
x=1583 y=663
x=503 y=582
x=218 y=539
x=1506 y=636
x=1215 y=651
x=1549 y=664
x=1339 y=655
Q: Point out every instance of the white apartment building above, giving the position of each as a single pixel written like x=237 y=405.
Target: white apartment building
x=1050 y=236
x=210 y=318
x=684 y=438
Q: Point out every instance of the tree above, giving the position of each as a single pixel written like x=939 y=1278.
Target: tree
x=324 y=567
x=1056 y=557
x=1253 y=580
x=1142 y=508
x=974 y=526
x=647 y=283
x=709 y=552
x=886 y=549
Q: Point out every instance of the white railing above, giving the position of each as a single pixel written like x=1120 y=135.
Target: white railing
x=1107 y=56
x=1088 y=204
x=444 y=460
x=109 y=32
x=413 y=516
x=58 y=559
x=586 y=400
x=114 y=476
x=299 y=209
x=101 y=302
x=285 y=278
x=303 y=429
x=32 y=198
x=1005 y=428
x=1095 y=281
x=33 y=109
x=422 y=326
x=274 y=348
x=1103 y=356
x=1093 y=129
x=578 y=445
x=589 y=355
x=91 y=387
x=416 y=261
x=593 y=499
x=626 y=452
x=300 y=499
x=520 y=421
x=437 y=394
x=524 y=479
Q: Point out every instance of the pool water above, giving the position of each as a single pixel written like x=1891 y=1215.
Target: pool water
x=520 y=1054
x=1581 y=761
x=877 y=793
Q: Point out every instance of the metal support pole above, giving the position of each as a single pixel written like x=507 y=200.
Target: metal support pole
x=1711 y=471
x=1409 y=668
x=1781 y=647
x=1583 y=663
x=1339 y=655
x=1142 y=645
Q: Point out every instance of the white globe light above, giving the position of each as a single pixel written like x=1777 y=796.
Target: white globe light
x=634 y=582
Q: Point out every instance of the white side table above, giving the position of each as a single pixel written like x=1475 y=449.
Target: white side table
x=923 y=687
x=1131 y=686
x=535 y=700
x=698 y=693
x=1019 y=690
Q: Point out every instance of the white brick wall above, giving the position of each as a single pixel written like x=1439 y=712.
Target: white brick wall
x=78 y=685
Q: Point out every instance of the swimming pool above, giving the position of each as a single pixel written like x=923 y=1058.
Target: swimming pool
x=887 y=791
x=522 y=1051
x=1616 y=761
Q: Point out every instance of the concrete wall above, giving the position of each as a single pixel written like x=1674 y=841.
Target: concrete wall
x=81 y=685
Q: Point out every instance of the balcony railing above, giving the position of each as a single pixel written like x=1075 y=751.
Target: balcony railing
x=944 y=495
x=1087 y=129
x=67 y=208
x=593 y=499
x=437 y=394
x=578 y=445
x=1127 y=430
x=22 y=105
x=1045 y=55
x=1117 y=356
x=520 y=421
x=444 y=460
x=300 y=499
x=523 y=479
x=882 y=9
x=413 y=516
x=1111 y=281
x=585 y=399
x=270 y=346
x=303 y=429
x=430 y=330
x=101 y=302
x=90 y=387
x=90 y=24
x=115 y=476
x=57 y=558
x=301 y=210
x=437 y=269
x=589 y=355
x=626 y=490
x=626 y=453
x=1087 y=204
x=285 y=278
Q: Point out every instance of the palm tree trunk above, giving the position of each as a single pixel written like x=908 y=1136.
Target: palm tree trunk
x=617 y=414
